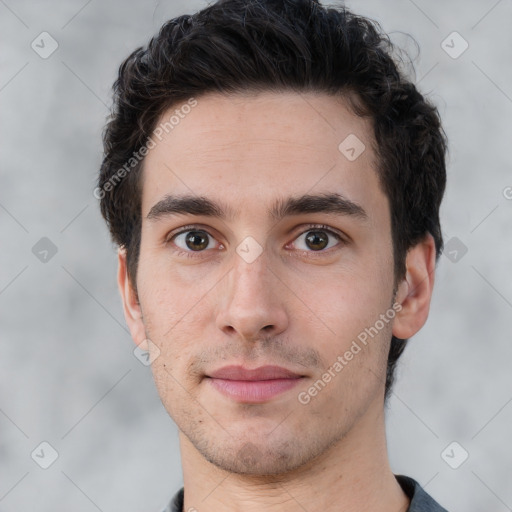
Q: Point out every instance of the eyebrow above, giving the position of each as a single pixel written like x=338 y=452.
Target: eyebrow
x=199 y=205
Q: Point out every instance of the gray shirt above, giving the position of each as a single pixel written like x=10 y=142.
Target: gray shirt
x=420 y=500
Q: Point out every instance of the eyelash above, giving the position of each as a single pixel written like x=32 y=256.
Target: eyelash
x=196 y=254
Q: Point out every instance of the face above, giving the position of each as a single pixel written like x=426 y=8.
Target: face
x=279 y=279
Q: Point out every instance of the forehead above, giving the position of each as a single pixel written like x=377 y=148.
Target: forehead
x=246 y=151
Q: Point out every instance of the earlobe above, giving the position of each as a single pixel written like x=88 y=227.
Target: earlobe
x=131 y=307
x=415 y=291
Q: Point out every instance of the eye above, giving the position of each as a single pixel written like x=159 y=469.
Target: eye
x=317 y=239
x=192 y=240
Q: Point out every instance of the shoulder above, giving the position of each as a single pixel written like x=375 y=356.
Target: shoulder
x=420 y=500
x=176 y=504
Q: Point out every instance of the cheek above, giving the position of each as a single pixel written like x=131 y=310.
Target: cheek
x=168 y=316
x=167 y=295
x=343 y=302
x=177 y=345
x=353 y=341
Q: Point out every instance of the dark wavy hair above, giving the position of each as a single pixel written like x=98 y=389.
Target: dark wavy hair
x=278 y=45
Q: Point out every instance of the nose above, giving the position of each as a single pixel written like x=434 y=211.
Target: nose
x=251 y=304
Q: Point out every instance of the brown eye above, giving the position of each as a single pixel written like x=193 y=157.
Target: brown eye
x=317 y=240
x=194 y=240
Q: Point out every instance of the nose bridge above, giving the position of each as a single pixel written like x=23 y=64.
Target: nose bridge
x=250 y=301
x=249 y=286
x=250 y=275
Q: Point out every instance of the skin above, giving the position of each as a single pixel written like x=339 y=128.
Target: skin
x=295 y=305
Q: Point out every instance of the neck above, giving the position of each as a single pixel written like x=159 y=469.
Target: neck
x=353 y=474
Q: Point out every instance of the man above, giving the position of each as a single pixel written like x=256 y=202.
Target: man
x=273 y=183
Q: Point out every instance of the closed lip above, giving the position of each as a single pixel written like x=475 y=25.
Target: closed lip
x=269 y=372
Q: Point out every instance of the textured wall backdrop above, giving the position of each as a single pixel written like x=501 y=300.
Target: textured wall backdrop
x=68 y=375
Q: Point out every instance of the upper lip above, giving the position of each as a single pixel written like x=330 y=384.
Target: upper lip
x=261 y=373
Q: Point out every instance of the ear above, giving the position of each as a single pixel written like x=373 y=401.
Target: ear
x=415 y=290
x=131 y=306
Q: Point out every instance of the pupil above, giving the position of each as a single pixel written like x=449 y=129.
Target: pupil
x=196 y=240
x=316 y=238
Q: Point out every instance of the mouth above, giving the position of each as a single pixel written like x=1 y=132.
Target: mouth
x=256 y=385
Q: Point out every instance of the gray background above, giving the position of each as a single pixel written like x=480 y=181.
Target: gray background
x=68 y=375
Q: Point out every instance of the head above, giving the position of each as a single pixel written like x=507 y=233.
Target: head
x=248 y=105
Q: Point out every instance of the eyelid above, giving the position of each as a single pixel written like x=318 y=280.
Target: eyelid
x=321 y=227
x=189 y=227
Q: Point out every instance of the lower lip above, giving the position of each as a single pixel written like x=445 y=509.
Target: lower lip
x=253 y=391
